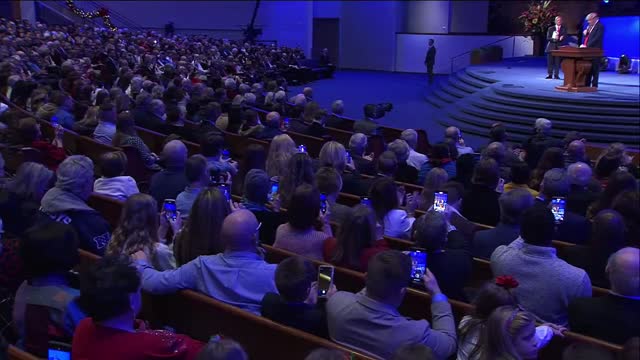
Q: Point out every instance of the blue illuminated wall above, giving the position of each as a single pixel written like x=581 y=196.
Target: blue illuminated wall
x=621 y=36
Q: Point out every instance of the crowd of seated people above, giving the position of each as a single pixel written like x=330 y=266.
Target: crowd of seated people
x=110 y=86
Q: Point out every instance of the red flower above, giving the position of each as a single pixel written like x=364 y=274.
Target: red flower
x=103 y=12
x=507 y=282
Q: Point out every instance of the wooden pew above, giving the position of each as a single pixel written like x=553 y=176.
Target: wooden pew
x=201 y=317
x=109 y=208
x=14 y=353
x=313 y=144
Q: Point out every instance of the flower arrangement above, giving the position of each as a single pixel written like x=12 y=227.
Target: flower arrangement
x=539 y=16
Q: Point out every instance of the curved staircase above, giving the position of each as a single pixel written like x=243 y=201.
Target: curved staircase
x=473 y=99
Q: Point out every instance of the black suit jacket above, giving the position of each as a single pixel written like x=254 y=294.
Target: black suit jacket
x=480 y=204
x=308 y=318
x=579 y=199
x=554 y=44
x=575 y=228
x=611 y=318
x=337 y=122
x=406 y=173
x=594 y=262
x=363 y=165
x=267 y=133
x=316 y=129
x=367 y=127
x=486 y=241
x=430 y=58
x=453 y=266
x=596 y=36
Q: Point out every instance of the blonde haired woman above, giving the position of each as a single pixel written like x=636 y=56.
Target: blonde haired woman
x=138 y=231
x=280 y=151
x=333 y=154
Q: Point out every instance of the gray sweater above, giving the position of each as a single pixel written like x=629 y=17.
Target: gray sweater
x=547 y=284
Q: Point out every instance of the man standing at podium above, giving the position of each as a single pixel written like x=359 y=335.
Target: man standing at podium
x=555 y=38
x=593 y=35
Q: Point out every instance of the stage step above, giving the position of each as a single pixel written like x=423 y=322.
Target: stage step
x=444 y=97
x=449 y=89
x=594 y=116
x=469 y=80
x=436 y=101
x=557 y=107
x=522 y=93
x=481 y=125
x=528 y=121
x=461 y=85
x=483 y=76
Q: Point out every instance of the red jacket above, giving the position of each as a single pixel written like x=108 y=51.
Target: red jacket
x=95 y=342
x=52 y=155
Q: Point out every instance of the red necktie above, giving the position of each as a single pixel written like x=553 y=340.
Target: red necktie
x=586 y=38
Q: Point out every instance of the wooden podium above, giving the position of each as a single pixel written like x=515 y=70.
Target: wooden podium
x=576 y=66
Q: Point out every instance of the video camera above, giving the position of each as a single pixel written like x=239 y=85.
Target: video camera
x=376 y=111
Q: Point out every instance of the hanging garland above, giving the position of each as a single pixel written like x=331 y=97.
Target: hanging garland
x=101 y=13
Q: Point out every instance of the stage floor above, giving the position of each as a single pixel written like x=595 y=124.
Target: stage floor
x=529 y=74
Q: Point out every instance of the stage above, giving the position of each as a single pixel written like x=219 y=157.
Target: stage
x=515 y=92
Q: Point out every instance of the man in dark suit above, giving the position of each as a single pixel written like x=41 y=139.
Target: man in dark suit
x=575 y=228
x=448 y=254
x=271 y=127
x=430 y=60
x=593 y=37
x=335 y=119
x=583 y=190
x=368 y=126
x=512 y=205
x=316 y=128
x=357 y=146
x=612 y=317
x=556 y=35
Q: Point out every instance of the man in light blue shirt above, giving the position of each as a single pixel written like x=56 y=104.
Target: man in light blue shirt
x=239 y=276
x=370 y=320
x=106 y=128
x=196 y=172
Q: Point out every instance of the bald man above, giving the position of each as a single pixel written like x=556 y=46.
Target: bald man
x=593 y=37
x=583 y=189
x=238 y=277
x=576 y=152
x=271 y=128
x=171 y=181
x=453 y=133
x=613 y=317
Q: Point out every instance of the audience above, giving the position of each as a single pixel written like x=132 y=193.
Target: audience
x=575 y=152
x=363 y=163
x=405 y=172
x=21 y=195
x=52 y=153
x=335 y=119
x=254 y=157
x=329 y=183
x=454 y=134
x=112 y=299
x=511 y=334
x=574 y=228
x=551 y=159
x=434 y=181
x=106 y=128
x=415 y=159
x=512 y=205
x=296 y=304
x=628 y=205
x=539 y=142
x=222 y=349
x=384 y=196
x=307 y=229
x=48 y=252
x=480 y=203
x=212 y=147
x=170 y=182
x=610 y=317
x=619 y=182
x=126 y=135
x=271 y=128
x=66 y=203
x=202 y=232
x=196 y=173
x=371 y=322
x=358 y=240
x=547 y=284
x=138 y=230
x=440 y=158
x=448 y=253
x=113 y=182
x=520 y=177
x=256 y=193
x=582 y=190
x=298 y=172
x=281 y=149
x=607 y=237
x=239 y=276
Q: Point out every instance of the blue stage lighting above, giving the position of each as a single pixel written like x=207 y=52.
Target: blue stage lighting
x=605 y=1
